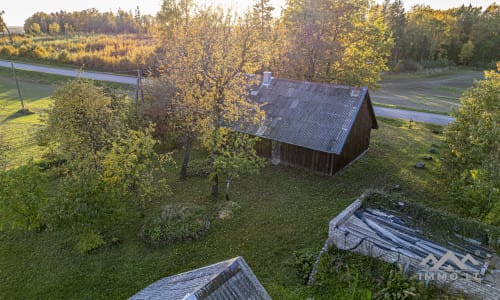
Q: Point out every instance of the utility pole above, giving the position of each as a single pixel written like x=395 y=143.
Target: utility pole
x=12 y=64
x=139 y=90
x=17 y=85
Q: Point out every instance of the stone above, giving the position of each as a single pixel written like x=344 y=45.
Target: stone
x=419 y=165
x=397 y=187
x=428 y=157
x=432 y=150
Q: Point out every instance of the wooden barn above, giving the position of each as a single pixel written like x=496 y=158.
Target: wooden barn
x=317 y=126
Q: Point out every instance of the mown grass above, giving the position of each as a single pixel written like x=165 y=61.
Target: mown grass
x=283 y=210
x=36 y=89
x=17 y=129
x=410 y=108
x=435 y=92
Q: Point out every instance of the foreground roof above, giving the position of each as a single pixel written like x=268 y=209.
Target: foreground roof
x=230 y=279
x=317 y=116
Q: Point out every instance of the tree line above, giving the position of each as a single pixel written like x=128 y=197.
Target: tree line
x=426 y=37
x=421 y=37
x=88 y=21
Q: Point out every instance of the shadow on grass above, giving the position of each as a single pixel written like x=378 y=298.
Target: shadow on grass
x=18 y=114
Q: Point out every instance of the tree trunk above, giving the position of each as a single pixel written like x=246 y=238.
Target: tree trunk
x=185 y=161
x=228 y=184
x=215 y=185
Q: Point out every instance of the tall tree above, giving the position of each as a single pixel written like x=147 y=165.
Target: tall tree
x=473 y=150
x=485 y=36
x=334 y=41
x=262 y=14
x=83 y=123
x=394 y=14
x=208 y=57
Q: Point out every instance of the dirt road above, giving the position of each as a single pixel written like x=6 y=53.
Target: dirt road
x=380 y=111
x=72 y=73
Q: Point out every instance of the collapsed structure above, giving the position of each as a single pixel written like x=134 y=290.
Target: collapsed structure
x=466 y=267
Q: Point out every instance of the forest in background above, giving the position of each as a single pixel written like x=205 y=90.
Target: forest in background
x=420 y=38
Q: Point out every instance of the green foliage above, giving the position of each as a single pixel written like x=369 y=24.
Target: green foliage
x=199 y=167
x=398 y=286
x=345 y=42
x=236 y=155
x=4 y=148
x=274 y=221
x=472 y=156
x=344 y=275
x=85 y=203
x=407 y=65
x=131 y=164
x=82 y=124
x=466 y=53
x=302 y=262
x=23 y=198
x=89 y=241
x=228 y=209
x=436 y=224
x=176 y=223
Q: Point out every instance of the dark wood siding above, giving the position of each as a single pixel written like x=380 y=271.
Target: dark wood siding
x=264 y=148
x=357 y=142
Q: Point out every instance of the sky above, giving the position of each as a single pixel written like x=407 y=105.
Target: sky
x=16 y=11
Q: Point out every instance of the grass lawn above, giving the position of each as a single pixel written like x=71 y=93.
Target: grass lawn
x=17 y=129
x=438 y=91
x=283 y=210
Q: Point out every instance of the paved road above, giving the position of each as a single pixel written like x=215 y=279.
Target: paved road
x=413 y=115
x=379 y=111
x=72 y=73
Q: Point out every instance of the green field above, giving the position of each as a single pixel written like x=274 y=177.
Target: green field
x=17 y=129
x=437 y=92
x=284 y=210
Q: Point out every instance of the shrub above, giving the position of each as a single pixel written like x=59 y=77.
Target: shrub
x=302 y=262
x=399 y=286
x=89 y=241
x=227 y=209
x=176 y=223
x=407 y=66
x=39 y=52
x=63 y=57
x=4 y=149
x=199 y=167
x=23 y=197
x=9 y=51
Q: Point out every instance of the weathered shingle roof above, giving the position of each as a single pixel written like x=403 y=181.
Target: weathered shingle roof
x=317 y=116
x=230 y=279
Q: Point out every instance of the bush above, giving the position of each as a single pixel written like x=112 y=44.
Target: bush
x=407 y=66
x=198 y=168
x=9 y=51
x=63 y=57
x=89 y=241
x=227 y=209
x=399 y=286
x=302 y=262
x=23 y=197
x=176 y=223
x=85 y=203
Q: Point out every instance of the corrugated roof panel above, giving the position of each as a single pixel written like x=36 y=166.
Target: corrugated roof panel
x=318 y=116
